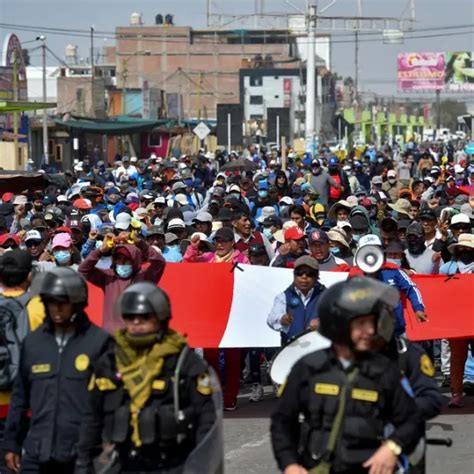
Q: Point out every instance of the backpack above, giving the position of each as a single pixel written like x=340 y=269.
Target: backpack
x=13 y=329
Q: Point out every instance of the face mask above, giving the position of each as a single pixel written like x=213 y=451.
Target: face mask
x=110 y=207
x=262 y=194
x=267 y=233
x=123 y=271
x=237 y=195
x=392 y=180
x=379 y=160
x=416 y=247
x=335 y=250
x=62 y=256
x=356 y=237
x=395 y=261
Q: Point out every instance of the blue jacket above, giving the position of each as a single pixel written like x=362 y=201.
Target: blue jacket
x=301 y=315
x=399 y=279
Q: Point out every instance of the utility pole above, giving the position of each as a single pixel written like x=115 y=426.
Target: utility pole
x=92 y=72
x=15 y=98
x=42 y=38
x=356 y=74
x=438 y=112
x=311 y=80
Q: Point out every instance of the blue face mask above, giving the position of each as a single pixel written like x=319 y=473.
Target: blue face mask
x=263 y=194
x=267 y=232
x=395 y=261
x=124 y=271
x=356 y=237
x=335 y=250
x=62 y=257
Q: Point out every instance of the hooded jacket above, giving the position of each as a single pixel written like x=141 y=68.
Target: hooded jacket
x=361 y=210
x=113 y=286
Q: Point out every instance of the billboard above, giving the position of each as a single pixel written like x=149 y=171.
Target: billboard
x=448 y=72
x=421 y=71
x=459 y=73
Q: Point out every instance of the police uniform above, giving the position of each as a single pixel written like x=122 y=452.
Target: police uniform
x=305 y=413
x=52 y=383
x=175 y=413
x=334 y=414
x=166 y=441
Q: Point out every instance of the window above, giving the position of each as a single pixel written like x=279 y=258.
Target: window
x=256 y=81
x=154 y=139
x=256 y=99
x=20 y=156
x=59 y=153
x=256 y=117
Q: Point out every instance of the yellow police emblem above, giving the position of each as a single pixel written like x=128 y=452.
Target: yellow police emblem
x=82 y=362
x=204 y=384
x=426 y=366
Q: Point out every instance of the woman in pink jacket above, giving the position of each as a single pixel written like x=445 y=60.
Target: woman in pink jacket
x=199 y=251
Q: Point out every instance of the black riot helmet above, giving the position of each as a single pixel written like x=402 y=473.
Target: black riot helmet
x=145 y=298
x=65 y=284
x=358 y=296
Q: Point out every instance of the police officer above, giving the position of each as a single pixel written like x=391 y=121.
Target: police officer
x=337 y=402
x=54 y=371
x=151 y=396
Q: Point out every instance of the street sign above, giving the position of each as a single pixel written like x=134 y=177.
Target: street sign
x=202 y=130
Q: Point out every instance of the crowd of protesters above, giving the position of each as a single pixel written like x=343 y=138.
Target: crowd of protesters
x=121 y=223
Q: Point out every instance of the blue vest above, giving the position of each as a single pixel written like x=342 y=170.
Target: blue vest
x=301 y=315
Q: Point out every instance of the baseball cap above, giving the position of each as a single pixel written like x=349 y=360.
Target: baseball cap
x=318 y=236
x=377 y=180
x=170 y=237
x=306 y=261
x=428 y=214
x=123 y=221
x=257 y=249
x=294 y=233
x=369 y=239
x=224 y=214
x=273 y=221
x=460 y=219
x=160 y=200
x=391 y=174
x=358 y=222
x=16 y=261
x=155 y=230
x=61 y=240
x=178 y=185
x=286 y=200
x=267 y=211
x=203 y=217
x=176 y=223
x=7 y=197
x=83 y=204
x=415 y=228
x=6 y=237
x=33 y=235
x=181 y=199
x=20 y=199
x=225 y=234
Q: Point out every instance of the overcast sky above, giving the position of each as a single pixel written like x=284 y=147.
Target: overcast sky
x=377 y=61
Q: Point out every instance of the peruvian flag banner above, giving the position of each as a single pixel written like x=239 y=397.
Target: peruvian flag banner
x=218 y=306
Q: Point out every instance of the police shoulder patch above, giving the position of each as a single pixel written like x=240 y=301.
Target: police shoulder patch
x=40 y=368
x=104 y=384
x=326 y=389
x=82 y=362
x=203 y=385
x=426 y=366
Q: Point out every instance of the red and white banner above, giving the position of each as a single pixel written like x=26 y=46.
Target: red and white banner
x=216 y=307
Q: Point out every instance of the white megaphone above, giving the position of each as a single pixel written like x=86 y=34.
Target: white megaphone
x=369 y=256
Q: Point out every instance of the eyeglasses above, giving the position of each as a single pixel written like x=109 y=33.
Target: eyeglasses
x=33 y=243
x=466 y=227
x=303 y=272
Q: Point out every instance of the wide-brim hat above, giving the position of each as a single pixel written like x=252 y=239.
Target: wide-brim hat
x=464 y=240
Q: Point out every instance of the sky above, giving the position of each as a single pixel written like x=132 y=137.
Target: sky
x=377 y=61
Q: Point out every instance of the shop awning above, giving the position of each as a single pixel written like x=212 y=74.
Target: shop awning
x=111 y=126
x=9 y=106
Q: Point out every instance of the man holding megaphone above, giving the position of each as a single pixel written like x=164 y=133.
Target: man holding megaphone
x=369 y=261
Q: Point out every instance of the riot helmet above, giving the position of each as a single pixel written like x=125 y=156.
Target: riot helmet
x=359 y=296
x=62 y=283
x=145 y=298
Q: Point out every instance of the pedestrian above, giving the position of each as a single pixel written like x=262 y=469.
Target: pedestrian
x=336 y=402
x=294 y=310
x=151 y=396
x=54 y=371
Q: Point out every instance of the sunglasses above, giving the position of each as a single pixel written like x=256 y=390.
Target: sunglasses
x=467 y=228
x=33 y=243
x=308 y=273
x=9 y=246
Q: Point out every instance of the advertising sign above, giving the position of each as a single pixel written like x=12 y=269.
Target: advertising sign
x=287 y=92
x=459 y=73
x=421 y=71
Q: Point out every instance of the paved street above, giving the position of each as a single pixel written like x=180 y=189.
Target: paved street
x=248 y=450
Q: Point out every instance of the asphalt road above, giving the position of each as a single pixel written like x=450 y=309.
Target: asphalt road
x=248 y=449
